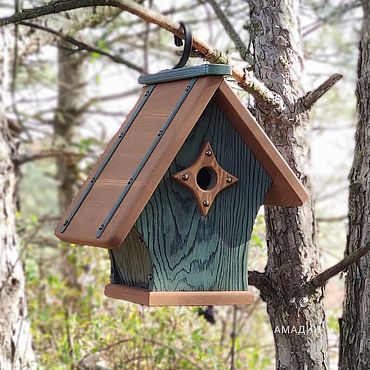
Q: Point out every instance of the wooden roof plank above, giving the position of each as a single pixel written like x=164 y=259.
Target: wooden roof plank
x=106 y=190
x=286 y=189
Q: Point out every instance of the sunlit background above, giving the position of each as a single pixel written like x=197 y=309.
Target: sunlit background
x=72 y=321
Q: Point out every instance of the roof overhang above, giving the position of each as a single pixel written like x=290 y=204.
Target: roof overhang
x=103 y=187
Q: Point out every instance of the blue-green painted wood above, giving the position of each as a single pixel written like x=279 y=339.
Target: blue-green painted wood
x=191 y=252
x=185 y=73
x=130 y=263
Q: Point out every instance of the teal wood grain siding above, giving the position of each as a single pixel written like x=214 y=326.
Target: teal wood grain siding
x=130 y=263
x=188 y=251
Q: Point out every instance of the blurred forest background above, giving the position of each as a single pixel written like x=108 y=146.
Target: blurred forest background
x=68 y=101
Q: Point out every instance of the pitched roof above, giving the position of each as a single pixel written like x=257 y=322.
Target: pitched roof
x=128 y=172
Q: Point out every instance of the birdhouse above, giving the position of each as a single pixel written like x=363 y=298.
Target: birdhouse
x=175 y=194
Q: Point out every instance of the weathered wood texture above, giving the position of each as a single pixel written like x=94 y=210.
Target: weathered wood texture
x=127 y=157
x=147 y=298
x=131 y=264
x=355 y=330
x=190 y=252
x=293 y=254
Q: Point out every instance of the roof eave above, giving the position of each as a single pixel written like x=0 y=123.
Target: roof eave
x=286 y=189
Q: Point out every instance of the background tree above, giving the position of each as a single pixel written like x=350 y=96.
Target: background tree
x=293 y=253
x=15 y=338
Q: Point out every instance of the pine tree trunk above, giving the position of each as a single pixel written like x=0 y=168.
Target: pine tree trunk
x=293 y=256
x=15 y=338
x=355 y=328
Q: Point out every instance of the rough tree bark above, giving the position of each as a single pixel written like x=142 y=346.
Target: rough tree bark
x=293 y=255
x=355 y=328
x=15 y=338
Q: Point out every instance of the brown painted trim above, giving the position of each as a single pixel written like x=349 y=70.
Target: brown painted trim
x=147 y=298
x=222 y=180
x=286 y=189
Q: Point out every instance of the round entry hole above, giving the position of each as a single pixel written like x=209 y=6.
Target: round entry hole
x=206 y=178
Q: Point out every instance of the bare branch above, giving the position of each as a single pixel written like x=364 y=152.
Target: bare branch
x=332 y=219
x=181 y=354
x=44 y=154
x=230 y=30
x=82 y=46
x=246 y=79
x=313 y=96
x=260 y=281
x=321 y=279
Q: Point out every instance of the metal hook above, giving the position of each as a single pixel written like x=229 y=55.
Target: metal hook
x=188 y=37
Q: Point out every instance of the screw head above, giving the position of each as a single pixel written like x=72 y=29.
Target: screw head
x=65 y=223
x=208 y=152
x=229 y=179
x=206 y=203
x=185 y=176
x=101 y=227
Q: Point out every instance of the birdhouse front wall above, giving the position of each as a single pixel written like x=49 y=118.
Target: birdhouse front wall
x=173 y=245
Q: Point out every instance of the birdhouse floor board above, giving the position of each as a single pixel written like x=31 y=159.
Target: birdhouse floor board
x=147 y=298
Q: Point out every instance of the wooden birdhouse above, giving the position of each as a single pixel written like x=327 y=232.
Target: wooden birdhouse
x=175 y=194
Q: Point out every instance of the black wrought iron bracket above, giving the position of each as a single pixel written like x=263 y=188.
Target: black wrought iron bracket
x=188 y=37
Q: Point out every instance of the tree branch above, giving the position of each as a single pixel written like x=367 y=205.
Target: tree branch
x=260 y=281
x=332 y=219
x=321 y=279
x=230 y=30
x=246 y=79
x=313 y=96
x=43 y=155
x=82 y=46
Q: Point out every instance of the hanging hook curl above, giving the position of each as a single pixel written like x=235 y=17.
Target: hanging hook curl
x=188 y=37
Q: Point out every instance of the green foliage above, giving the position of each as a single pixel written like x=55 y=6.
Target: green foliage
x=74 y=323
x=333 y=323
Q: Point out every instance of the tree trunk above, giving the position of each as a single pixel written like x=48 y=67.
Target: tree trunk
x=293 y=256
x=355 y=328
x=67 y=121
x=71 y=95
x=15 y=338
